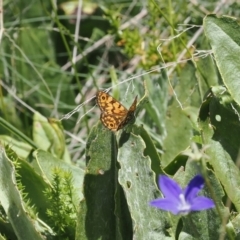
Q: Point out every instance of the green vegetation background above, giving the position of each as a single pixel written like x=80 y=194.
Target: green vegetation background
x=62 y=174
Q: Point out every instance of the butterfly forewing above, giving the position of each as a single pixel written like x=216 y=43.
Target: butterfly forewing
x=109 y=104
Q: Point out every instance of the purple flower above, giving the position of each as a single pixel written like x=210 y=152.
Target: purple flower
x=182 y=201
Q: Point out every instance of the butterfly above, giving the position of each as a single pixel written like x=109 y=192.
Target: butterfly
x=114 y=115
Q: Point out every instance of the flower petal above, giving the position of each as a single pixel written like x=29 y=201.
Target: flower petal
x=169 y=188
x=202 y=203
x=194 y=186
x=165 y=204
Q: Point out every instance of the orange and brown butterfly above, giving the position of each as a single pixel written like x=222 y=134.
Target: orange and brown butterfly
x=114 y=115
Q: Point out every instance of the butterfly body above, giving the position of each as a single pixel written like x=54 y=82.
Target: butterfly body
x=114 y=115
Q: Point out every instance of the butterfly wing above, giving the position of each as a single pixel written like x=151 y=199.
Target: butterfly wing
x=101 y=99
x=111 y=121
x=134 y=105
x=109 y=105
x=130 y=114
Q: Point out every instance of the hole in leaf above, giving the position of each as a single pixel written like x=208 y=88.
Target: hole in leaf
x=129 y=184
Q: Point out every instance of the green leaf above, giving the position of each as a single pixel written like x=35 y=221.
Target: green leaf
x=11 y=200
x=96 y=219
x=224 y=36
x=2 y=237
x=17 y=132
x=49 y=136
x=44 y=163
x=150 y=149
x=138 y=182
x=34 y=185
x=22 y=149
x=233 y=227
x=176 y=141
x=9 y=113
x=155 y=105
x=219 y=121
x=206 y=73
x=206 y=224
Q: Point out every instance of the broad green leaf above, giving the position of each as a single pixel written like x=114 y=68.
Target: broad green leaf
x=11 y=200
x=21 y=148
x=181 y=116
x=220 y=125
x=179 y=134
x=150 y=149
x=44 y=163
x=34 y=186
x=96 y=219
x=224 y=36
x=192 y=114
x=186 y=89
x=156 y=95
x=17 y=133
x=207 y=74
x=138 y=182
x=49 y=136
